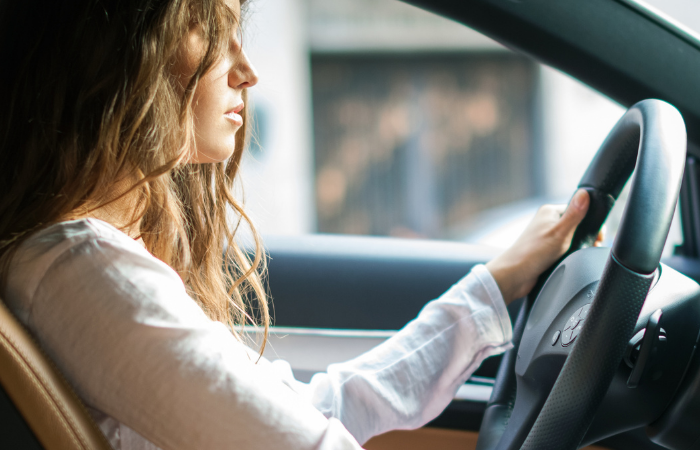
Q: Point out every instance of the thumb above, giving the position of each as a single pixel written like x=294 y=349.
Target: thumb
x=576 y=211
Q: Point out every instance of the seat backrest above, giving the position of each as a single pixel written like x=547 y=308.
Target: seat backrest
x=49 y=407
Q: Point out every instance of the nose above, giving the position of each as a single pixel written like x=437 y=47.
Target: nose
x=243 y=74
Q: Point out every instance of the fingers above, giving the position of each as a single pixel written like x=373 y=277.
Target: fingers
x=576 y=210
x=600 y=238
x=559 y=209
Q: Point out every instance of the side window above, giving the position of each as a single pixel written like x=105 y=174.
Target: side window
x=378 y=118
x=427 y=145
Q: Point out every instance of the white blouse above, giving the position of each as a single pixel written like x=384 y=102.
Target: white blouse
x=155 y=372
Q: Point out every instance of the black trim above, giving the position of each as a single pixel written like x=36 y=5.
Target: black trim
x=690 y=213
x=14 y=431
x=368 y=283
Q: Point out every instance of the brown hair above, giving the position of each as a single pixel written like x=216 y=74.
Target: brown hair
x=89 y=103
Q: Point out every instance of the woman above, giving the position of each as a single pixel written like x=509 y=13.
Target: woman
x=123 y=124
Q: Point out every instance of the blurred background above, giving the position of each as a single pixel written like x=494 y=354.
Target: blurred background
x=373 y=117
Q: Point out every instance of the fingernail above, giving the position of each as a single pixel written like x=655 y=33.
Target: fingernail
x=578 y=199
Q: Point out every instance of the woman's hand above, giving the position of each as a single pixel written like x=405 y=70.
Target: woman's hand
x=544 y=240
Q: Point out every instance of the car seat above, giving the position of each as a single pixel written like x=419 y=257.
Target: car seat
x=38 y=409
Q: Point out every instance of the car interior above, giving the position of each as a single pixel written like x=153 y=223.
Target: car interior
x=604 y=349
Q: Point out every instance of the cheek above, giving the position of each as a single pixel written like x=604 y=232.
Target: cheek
x=215 y=136
x=215 y=140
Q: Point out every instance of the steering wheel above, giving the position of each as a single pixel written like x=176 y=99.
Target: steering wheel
x=569 y=342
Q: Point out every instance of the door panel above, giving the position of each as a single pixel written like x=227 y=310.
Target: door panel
x=336 y=297
x=361 y=283
x=312 y=350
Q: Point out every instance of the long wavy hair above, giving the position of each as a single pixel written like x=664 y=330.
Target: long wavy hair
x=90 y=102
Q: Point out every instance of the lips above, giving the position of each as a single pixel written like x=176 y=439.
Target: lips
x=235 y=109
x=234 y=116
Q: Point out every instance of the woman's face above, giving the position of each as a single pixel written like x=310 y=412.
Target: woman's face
x=218 y=98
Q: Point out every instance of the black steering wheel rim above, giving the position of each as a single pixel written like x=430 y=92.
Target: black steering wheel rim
x=648 y=140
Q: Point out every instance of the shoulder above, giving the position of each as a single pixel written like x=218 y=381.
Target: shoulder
x=56 y=239
x=50 y=243
x=70 y=254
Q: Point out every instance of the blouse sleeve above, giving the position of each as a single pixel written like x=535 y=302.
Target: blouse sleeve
x=121 y=327
x=410 y=378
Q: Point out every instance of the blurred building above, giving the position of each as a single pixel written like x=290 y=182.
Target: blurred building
x=374 y=117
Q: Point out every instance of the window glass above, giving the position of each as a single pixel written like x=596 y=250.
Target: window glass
x=430 y=143
x=377 y=118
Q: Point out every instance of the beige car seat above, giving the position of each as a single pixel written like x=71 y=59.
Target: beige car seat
x=39 y=394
